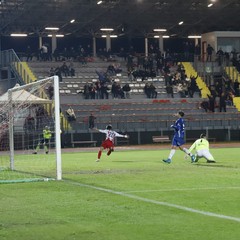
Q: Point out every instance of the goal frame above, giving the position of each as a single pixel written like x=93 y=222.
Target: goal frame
x=57 y=124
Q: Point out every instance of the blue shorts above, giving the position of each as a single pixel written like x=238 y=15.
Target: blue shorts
x=176 y=141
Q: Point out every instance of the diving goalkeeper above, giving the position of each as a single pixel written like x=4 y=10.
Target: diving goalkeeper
x=201 y=146
x=47 y=134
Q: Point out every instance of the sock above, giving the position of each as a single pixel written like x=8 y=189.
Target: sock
x=99 y=154
x=45 y=148
x=172 y=152
x=109 y=152
x=187 y=152
x=37 y=148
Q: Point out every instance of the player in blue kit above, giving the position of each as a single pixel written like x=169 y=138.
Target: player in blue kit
x=178 y=138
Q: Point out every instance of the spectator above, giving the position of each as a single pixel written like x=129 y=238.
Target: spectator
x=82 y=56
x=51 y=72
x=236 y=88
x=169 y=89
x=111 y=70
x=222 y=102
x=58 y=73
x=228 y=84
x=229 y=99
x=101 y=76
x=192 y=86
x=40 y=113
x=119 y=90
x=29 y=54
x=29 y=124
x=98 y=90
x=64 y=69
x=218 y=89
x=56 y=55
x=147 y=90
x=50 y=92
x=92 y=91
x=126 y=89
x=211 y=102
x=91 y=120
x=71 y=114
x=180 y=90
x=197 y=52
x=104 y=91
x=86 y=91
x=44 y=52
x=114 y=90
x=220 y=55
x=209 y=52
x=204 y=105
x=153 y=92
x=71 y=69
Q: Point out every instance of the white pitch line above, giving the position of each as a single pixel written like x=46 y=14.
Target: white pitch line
x=181 y=189
x=236 y=219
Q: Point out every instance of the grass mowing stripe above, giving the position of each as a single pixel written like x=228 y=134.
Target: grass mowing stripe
x=156 y=202
x=181 y=189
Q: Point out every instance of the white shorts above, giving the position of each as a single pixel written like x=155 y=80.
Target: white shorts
x=205 y=153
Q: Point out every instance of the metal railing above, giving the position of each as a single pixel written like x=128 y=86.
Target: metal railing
x=9 y=59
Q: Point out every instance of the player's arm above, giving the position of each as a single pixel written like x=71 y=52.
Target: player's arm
x=175 y=126
x=97 y=130
x=100 y=130
x=120 y=135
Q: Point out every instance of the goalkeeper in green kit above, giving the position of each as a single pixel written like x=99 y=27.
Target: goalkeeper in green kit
x=47 y=134
x=201 y=146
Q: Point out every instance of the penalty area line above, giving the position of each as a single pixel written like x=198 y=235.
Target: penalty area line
x=182 y=189
x=205 y=213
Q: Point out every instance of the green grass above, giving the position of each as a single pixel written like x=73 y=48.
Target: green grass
x=129 y=201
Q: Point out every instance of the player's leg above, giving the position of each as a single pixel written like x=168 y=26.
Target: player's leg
x=110 y=147
x=45 y=144
x=199 y=154
x=38 y=147
x=100 y=153
x=172 y=152
x=184 y=149
x=110 y=150
x=208 y=156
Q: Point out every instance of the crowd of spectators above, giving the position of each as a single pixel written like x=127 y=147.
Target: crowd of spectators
x=102 y=90
x=150 y=90
x=221 y=95
x=140 y=66
x=44 y=53
x=63 y=70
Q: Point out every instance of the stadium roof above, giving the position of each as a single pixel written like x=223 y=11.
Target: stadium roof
x=134 y=18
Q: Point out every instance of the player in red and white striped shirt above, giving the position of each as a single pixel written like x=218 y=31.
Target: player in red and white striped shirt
x=108 y=143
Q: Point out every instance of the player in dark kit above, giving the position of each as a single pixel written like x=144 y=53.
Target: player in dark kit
x=178 y=138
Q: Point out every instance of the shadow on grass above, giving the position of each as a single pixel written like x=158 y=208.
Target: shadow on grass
x=213 y=165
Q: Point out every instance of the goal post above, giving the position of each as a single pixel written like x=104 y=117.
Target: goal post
x=27 y=114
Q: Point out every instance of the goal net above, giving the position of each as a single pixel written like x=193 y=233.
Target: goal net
x=30 y=134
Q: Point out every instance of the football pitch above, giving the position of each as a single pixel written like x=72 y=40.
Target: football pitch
x=130 y=195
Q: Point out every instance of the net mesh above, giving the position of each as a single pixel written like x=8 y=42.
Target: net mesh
x=28 y=110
